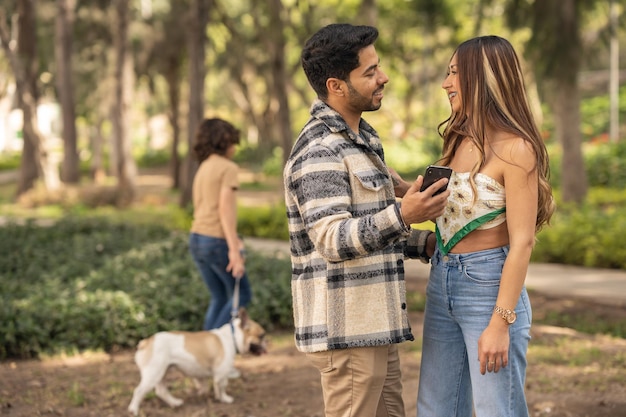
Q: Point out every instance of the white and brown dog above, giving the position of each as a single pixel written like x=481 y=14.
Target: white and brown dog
x=198 y=355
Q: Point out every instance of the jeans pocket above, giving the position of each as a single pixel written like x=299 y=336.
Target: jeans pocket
x=486 y=275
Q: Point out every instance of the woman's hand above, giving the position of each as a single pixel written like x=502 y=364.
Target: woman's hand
x=236 y=263
x=493 y=346
x=400 y=186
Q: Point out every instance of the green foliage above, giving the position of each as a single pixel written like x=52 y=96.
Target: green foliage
x=9 y=160
x=268 y=222
x=591 y=235
x=154 y=158
x=96 y=284
x=605 y=164
x=273 y=166
x=270 y=278
x=595 y=113
x=410 y=157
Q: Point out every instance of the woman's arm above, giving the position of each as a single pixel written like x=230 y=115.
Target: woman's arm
x=521 y=185
x=228 y=218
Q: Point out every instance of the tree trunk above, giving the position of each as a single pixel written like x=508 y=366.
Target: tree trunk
x=35 y=157
x=63 y=55
x=96 y=140
x=566 y=107
x=125 y=168
x=556 y=48
x=279 y=76
x=29 y=169
x=368 y=13
x=198 y=15
x=173 y=82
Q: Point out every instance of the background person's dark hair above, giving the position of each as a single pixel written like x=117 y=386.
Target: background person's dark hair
x=214 y=136
x=333 y=52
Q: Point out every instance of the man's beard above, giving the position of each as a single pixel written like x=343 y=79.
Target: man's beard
x=360 y=102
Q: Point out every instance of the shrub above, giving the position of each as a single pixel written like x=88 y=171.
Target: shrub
x=97 y=284
x=269 y=222
x=591 y=235
x=605 y=164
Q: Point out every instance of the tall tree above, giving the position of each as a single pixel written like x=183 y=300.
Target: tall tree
x=124 y=165
x=555 y=50
x=169 y=55
x=198 y=21
x=65 y=86
x=36 y=160
x=279 y=75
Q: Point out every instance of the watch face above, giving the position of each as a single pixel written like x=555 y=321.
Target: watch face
x=511 y=317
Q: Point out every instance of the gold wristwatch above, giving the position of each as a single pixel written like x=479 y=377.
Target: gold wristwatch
x=508 y=315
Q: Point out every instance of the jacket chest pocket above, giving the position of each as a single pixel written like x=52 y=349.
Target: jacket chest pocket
x=372 y=181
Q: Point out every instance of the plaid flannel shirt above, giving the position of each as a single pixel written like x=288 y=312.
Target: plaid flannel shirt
x=347 y=237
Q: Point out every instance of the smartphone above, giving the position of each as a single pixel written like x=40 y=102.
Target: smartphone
x=433 y=174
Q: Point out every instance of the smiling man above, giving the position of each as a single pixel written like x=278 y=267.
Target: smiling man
x=348 y=233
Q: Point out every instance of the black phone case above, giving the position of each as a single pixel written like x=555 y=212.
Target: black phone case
x=433 y=174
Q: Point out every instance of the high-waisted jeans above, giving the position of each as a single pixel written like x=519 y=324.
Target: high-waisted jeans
x=210 y=255
x=460 y=297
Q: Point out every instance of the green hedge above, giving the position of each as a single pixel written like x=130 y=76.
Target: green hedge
x=93 y=284
x=605 y=164
x=590 y=235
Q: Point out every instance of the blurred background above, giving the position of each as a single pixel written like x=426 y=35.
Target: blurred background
x=99 y=100
x=92 y=90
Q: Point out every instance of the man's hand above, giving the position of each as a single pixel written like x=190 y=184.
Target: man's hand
x=418 y=207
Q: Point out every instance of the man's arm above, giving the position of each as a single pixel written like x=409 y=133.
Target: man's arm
x=420 y=245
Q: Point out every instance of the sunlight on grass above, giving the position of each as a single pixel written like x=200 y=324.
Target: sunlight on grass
x=76 y=395
x=280 y=340
x=572 y=352
x=416 y=301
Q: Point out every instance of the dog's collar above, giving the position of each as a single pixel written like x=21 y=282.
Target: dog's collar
x=232 y=330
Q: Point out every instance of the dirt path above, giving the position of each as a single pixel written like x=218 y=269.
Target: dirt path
x=282 y=384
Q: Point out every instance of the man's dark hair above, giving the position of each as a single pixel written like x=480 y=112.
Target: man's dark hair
x=333 y=52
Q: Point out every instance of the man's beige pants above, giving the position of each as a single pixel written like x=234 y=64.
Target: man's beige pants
x=361 y=382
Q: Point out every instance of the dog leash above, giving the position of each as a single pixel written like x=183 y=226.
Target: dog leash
x=234 y=312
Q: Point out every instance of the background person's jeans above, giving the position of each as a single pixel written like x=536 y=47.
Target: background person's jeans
x=460 y=297
x=210 y=255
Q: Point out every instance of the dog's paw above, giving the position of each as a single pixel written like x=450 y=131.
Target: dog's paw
x=133 y=410
x=227 y=399
x=175 y=402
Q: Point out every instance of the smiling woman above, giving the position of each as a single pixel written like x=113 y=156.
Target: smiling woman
x=500 y=198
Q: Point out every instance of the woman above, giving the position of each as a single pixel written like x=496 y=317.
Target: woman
x=478 y=316
x=214 y=244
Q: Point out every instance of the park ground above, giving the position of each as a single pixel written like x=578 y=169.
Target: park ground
x=570 y=374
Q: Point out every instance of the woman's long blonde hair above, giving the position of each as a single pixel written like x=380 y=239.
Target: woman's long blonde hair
x=494 y=95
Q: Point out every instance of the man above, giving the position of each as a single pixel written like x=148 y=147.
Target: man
x=348 y=233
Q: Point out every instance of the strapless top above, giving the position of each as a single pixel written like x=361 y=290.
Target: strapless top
x=463 y=214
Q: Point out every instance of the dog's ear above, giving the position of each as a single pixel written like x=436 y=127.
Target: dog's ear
x=243 y=315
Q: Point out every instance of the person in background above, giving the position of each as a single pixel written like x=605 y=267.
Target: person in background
x=478 y=315
x=348 y=233
x=214 y=243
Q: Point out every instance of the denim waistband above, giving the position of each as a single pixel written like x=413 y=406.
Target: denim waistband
x=453 y=259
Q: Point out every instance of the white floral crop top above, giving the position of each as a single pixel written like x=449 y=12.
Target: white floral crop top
x=463 y=215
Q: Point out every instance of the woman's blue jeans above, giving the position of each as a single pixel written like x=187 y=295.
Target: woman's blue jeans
x=210 y=255
x=460 y=297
